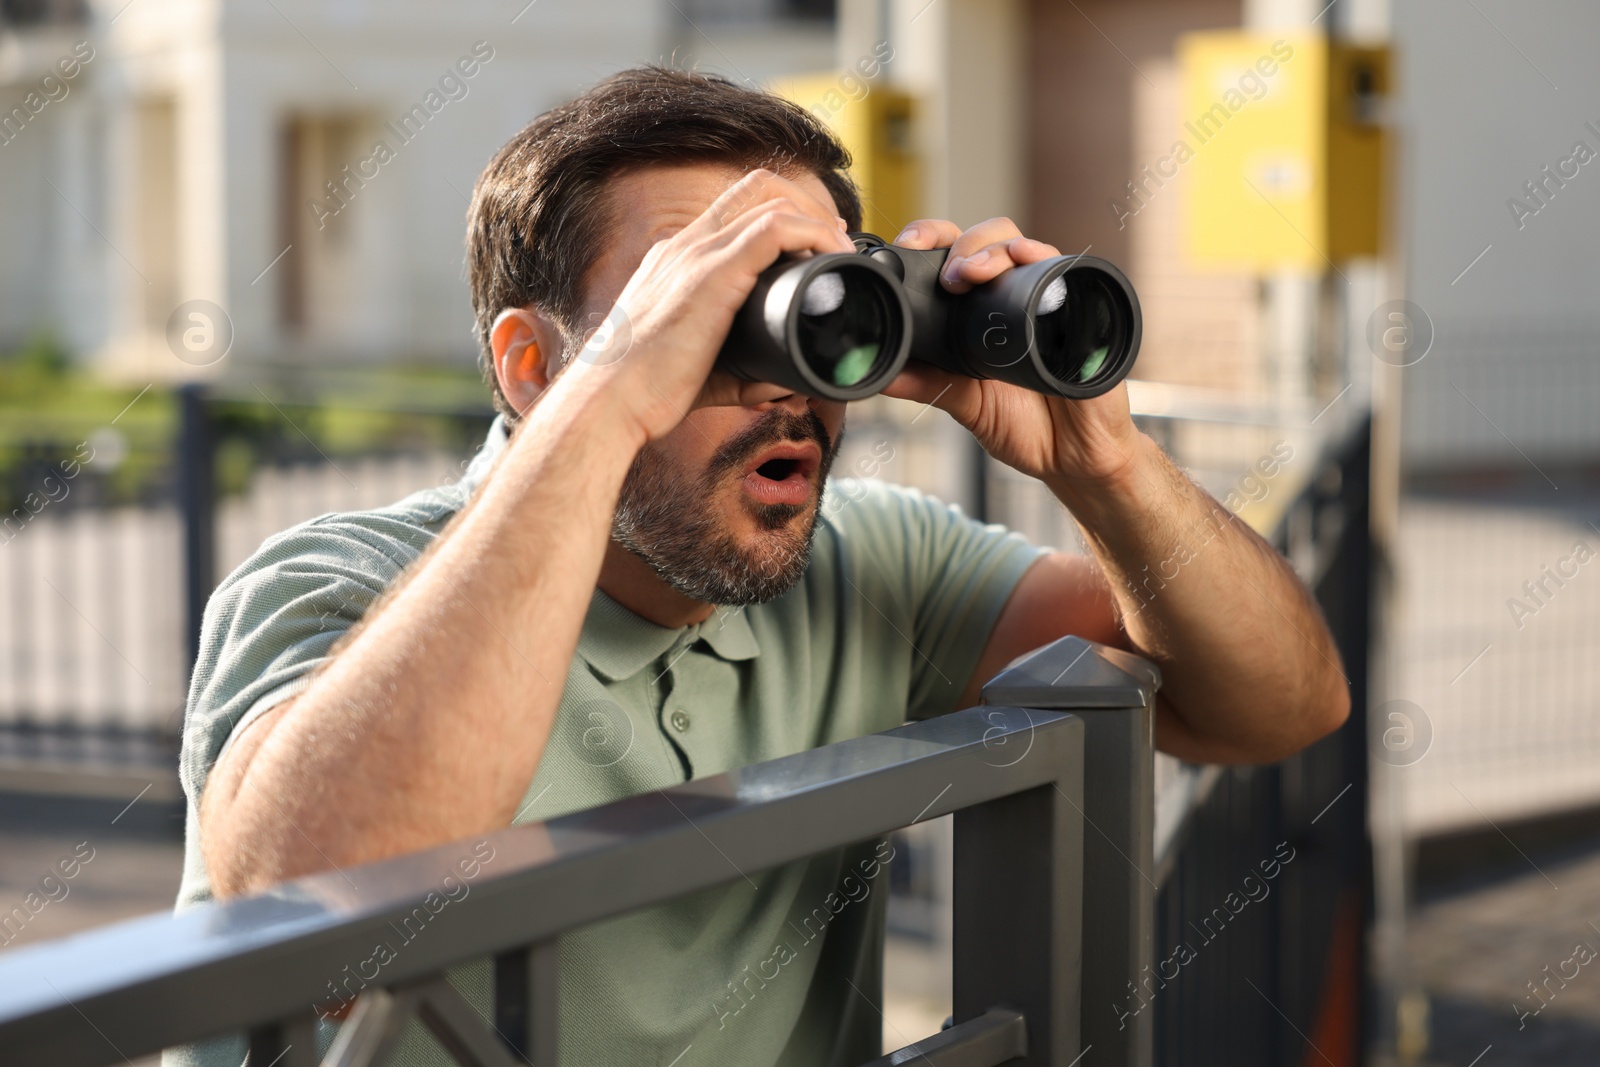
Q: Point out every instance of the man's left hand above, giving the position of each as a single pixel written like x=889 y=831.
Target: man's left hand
x=1250 y=670
x=1083 y=443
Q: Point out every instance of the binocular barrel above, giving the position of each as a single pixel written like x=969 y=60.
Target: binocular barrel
x=842 y=326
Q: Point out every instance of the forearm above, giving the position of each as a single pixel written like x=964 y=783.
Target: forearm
x=431 y=719
x=1249 y=669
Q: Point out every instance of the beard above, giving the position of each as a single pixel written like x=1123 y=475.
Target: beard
x=667 y=517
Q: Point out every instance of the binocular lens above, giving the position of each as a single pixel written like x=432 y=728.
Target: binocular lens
x=1076 y=326
x=844 y=325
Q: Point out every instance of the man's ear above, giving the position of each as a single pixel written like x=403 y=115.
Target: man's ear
x=527 y=353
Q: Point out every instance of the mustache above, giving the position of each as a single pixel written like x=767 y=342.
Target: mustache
x=775 y=427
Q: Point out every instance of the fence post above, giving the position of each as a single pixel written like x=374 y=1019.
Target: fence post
x=526 y=1004
x=196 y=492
x=1114 y=693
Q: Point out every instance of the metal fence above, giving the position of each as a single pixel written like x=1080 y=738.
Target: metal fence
x=1265 y=872
x=106 y=580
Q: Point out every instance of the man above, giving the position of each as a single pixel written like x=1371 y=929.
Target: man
x=633 y=586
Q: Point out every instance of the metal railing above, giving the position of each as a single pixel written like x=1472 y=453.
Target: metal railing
x=1036 y=943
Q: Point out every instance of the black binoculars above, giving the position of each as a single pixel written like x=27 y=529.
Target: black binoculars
x=842 y=325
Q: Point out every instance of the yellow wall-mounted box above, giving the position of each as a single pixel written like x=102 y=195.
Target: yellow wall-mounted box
x=873 y=119
x=1286 y=151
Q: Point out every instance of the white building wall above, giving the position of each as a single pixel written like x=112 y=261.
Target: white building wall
x=400 y=293
x=51 y=276
x=1488 y=98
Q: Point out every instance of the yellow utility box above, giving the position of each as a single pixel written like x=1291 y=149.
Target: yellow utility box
x=1285 y=150
x=874 y=122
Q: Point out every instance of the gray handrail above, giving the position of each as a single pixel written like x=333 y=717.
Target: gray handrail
x=1014 y=777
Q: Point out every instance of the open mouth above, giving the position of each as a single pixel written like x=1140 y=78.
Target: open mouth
x=783 y=473
x=778 y=469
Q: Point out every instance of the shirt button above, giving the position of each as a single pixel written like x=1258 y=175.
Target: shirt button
x=680 y=720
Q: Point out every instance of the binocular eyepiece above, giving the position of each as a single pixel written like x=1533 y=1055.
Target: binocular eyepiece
x=842 y=325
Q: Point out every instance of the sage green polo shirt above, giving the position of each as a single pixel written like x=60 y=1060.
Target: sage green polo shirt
x=778 y=967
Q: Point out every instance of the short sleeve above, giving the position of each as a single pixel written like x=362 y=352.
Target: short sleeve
x=272 y=622
x=949 y=578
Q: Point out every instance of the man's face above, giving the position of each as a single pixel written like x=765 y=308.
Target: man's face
x=724 y=506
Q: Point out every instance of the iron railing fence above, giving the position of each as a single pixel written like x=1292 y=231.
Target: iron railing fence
x=1036 y=942
x=112 y=539
x=1264 y=873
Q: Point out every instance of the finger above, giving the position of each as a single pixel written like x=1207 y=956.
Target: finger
x=750 y=189
x=753 y=189
x=990 y=262
x=972 y=245
x=778 y=205
x=928 y=233
x=724 y=273
x=1029 y=250
x=988 y=232
x=752 y=195
x=773 y=229
x=673 y=254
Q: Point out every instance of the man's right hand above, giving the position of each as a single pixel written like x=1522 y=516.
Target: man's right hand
x=679 y=305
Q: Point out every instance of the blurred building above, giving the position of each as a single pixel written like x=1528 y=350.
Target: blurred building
x=305 y=166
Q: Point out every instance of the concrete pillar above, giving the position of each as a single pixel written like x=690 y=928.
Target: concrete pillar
x=125 y=286
x=1290 y=300
x=1357 y=290
x=966 y=64
x=203 y=232
x=75 y=266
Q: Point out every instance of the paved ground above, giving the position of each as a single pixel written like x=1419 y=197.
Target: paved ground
x=1482 y=946
x=126 y=861
x=916 y=980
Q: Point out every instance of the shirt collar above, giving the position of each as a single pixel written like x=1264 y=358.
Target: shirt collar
x=615 y=641
x=619 y=644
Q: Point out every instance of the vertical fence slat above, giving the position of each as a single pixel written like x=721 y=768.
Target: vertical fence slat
x=526 y=1008
x=197 y=502
x=286 y=1043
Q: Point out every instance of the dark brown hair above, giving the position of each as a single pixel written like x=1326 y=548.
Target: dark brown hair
x=538 y=211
